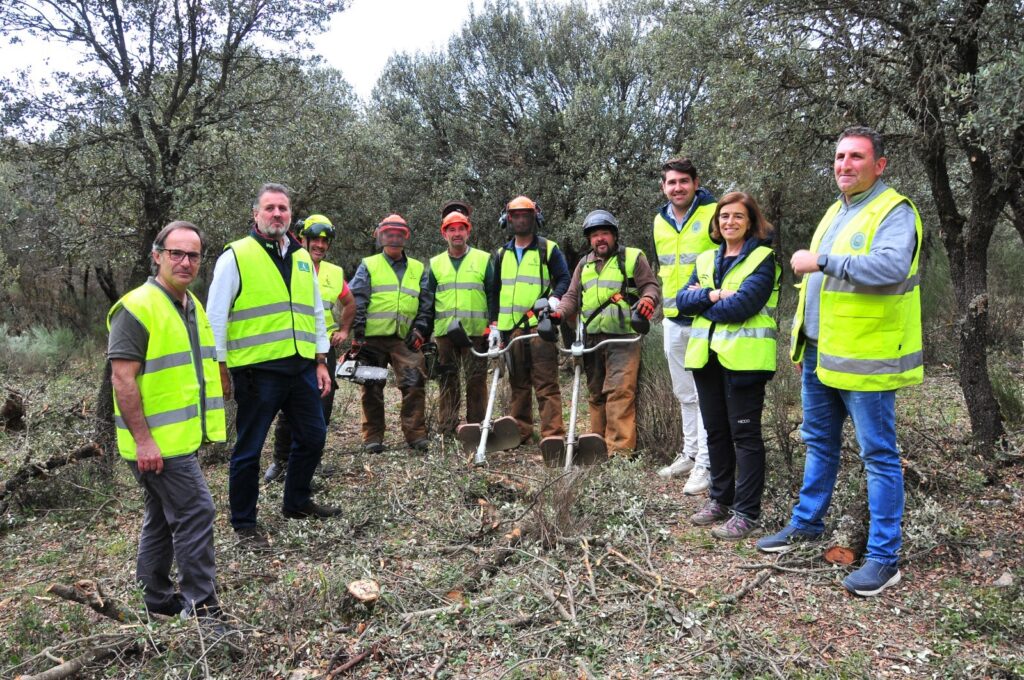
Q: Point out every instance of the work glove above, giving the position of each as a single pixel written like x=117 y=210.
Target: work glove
x=491 y=330
x=415 y=340
x=645 y=307
x=553 y=304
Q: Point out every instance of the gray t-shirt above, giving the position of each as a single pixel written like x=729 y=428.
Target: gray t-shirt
x=129 y=338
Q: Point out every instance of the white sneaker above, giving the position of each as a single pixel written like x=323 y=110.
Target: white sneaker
x=680 y=466
x=699 y=481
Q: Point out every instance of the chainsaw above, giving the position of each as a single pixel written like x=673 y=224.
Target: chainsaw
x=352 y=369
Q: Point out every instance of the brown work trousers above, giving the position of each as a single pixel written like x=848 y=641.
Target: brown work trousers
x=450 y=359
x=411 y=377
x=533 y=364
x=611 y=378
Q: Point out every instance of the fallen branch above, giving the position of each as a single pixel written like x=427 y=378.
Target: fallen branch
x=357 y=659
x=73 y=667
x=747 y=588
x=656 y=579
x=449 y=609
x=32 y=470
x=89 y=592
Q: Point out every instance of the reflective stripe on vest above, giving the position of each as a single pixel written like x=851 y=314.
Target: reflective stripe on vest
x=179 y=414
x=521 y=285
x=268 y=320
x=460 y=292
x=597 y=288
x=332 y=281
x=748 y=345
x=870 y=336
x=678 y=251
x=393 y=305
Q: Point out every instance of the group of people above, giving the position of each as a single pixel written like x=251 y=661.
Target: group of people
x=277 y=311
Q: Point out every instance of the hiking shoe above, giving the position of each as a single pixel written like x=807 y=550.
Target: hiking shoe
x=872 y=578
x=699 y=481
x=373 y=447
x=274 y=473
x=712 y=512
x=736 y=528
x=680 y=466
x=785 y=540
x=253 y=538
x=312 y=510
x=420 y=445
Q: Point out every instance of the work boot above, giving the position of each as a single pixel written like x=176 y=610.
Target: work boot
x=312 y=510
x=680 y=466
x=373 y=447
x=253 y=538
x=274 y=473
x=420 y=445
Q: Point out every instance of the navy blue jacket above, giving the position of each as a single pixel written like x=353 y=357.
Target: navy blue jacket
x=748 y=300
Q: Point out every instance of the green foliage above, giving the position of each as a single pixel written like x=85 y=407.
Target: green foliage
x=1009 y=391
x=38 y=350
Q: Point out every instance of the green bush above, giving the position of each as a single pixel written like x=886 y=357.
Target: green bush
x=38 y=350
x=1009 y=392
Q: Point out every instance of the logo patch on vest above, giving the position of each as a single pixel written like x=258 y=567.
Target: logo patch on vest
x=303 y=266
x=696 y=226
x=857 y=240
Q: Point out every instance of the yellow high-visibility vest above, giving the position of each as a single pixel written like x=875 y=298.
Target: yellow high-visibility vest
x=678 y=250
x=597 y=288
x=748 y=345
x=393 y=305
x=522 y=284
x=332 y=281
x=180 y=416
x=869 y=337
x=460 y=292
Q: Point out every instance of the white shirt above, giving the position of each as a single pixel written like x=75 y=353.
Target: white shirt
x=224 y=290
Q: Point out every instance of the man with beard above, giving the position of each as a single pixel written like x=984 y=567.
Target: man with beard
x=531 y=268
x=463 y=282
x=268 y=321
x=607 y=283
x=316 y=235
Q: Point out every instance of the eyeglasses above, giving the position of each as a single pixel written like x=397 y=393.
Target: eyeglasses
x=178 y=256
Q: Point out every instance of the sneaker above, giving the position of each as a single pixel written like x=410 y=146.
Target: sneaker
x=373 y=447
x=420 y=445
x=312 y=510
x=785 y=540
x=699 y=481
x=680 y=466
x=253 y=538
x=872 y=578
x=736 y=528
x=274 y=473
x=712 y=512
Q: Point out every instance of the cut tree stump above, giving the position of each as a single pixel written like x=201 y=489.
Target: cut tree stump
x=365 y=590
x=851 y=535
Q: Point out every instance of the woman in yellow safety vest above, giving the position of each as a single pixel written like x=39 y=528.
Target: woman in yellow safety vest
x=732 y=295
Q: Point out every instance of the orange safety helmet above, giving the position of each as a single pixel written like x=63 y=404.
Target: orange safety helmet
x=455 y=218
x=521 y=203
x=393 y=221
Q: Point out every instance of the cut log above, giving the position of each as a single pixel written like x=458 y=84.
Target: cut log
x=31 y=470
x=851 y=534
x=365 y=590
x=88 y=592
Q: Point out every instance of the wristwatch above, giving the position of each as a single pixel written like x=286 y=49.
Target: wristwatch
x=321 y=360
x=822 y=262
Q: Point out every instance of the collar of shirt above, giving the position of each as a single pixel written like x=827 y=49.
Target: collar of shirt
x=859 y=199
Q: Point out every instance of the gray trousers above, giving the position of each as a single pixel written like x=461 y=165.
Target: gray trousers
x=177 y=526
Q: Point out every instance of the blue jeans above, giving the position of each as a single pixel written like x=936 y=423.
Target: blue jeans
x=874 y=422
x=260 y=395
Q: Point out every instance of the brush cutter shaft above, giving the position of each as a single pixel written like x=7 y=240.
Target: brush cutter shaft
x=570 y=442
x=485 y=427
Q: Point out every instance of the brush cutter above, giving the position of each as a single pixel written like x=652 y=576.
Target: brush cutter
x=591 y=448
x=503 y=433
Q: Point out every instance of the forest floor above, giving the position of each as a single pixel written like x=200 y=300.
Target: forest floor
x=514 y=570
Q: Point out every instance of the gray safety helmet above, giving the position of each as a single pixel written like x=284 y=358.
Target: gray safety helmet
x=600 y=219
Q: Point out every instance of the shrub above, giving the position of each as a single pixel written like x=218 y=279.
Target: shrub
x=38 y=350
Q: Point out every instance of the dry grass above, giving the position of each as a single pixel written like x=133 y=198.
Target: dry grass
x=516 y=571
